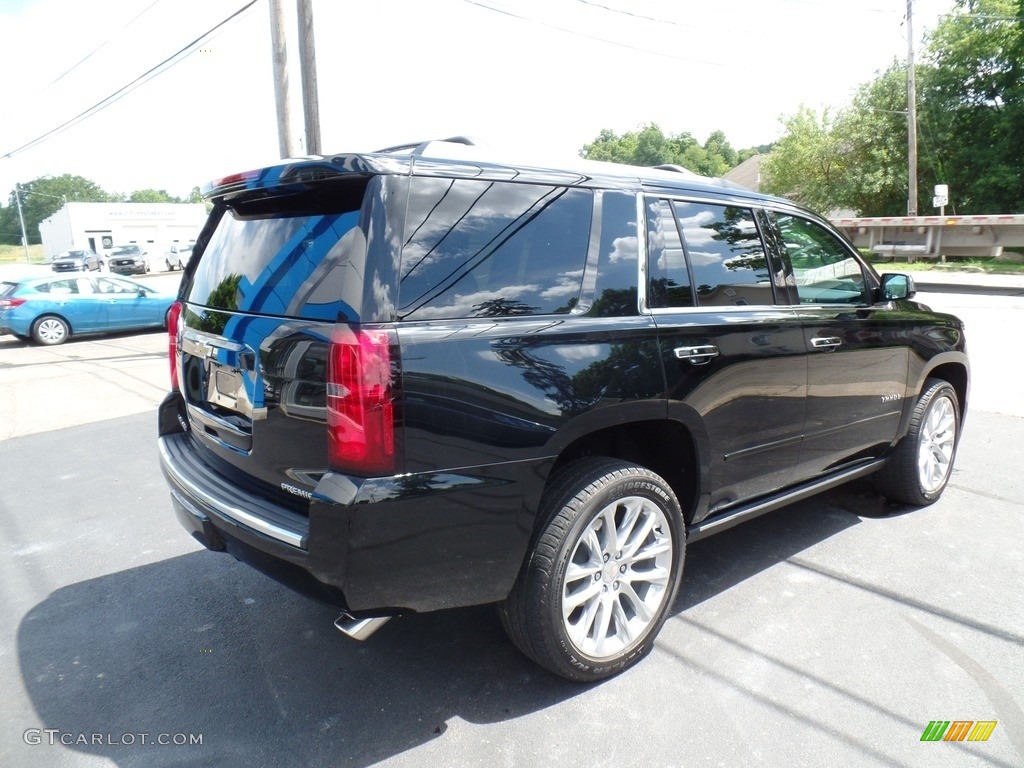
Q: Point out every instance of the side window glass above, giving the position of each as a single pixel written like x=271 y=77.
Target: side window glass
x=615 y=291
x=726 y=255
x=108 y=285
x=123 y=286
x=824 y=270
x=668 y=281
x=492 y=249
x=59 y=286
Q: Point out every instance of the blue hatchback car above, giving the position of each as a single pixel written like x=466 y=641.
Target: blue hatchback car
x=52 y=309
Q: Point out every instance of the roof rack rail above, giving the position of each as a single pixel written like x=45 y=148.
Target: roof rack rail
x=672 y=167
x=417 y=147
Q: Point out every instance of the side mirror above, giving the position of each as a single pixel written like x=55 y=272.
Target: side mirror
x=897 y=286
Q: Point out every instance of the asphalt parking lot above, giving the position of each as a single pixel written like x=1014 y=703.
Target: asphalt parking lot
x=828 y=633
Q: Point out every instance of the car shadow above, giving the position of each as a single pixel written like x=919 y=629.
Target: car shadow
x=719 y=562
x=9 y=341
x=201 y=645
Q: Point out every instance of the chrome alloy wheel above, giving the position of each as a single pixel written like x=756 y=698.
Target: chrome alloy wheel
x=935 y=445
x=617 y=577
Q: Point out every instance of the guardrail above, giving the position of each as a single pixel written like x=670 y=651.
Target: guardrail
x=935 y=237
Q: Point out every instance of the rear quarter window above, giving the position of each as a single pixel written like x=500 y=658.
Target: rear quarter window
x=492 y=249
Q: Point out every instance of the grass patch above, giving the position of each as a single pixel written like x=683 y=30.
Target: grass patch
x=953 y=264
x=15 y=254
x=981 y=266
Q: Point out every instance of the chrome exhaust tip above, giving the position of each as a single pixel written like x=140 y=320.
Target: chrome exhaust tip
x=360 y=629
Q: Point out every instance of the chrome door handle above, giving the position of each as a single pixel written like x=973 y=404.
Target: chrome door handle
x=697 y=355
x=826 y=342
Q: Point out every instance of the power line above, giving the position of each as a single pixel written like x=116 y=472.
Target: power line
x=97 y=48
x=569 y=31
x=809 y=3
x=635 y=15
x=149 y=74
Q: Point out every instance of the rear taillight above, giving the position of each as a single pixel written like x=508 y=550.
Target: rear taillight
x=11 y=303
x=173 y=315
x=360 y=409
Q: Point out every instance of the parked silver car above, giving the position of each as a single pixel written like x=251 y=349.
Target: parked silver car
x=76 y=261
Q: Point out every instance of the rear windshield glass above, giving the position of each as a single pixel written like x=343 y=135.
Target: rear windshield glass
x=290 y=262
x=6 y=289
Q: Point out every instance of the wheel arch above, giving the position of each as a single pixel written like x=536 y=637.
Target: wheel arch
x=957 y=375
x=666 y=446
x=953 y=367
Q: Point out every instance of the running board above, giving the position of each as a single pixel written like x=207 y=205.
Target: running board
x=734 y=517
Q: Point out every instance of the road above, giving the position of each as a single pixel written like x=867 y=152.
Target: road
x=828 y=633
x=45 y=388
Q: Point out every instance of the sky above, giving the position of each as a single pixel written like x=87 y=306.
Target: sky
x=541 y=77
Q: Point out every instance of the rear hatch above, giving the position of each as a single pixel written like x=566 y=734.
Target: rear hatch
x=276 y=273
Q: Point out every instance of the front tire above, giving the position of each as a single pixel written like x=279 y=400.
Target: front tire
x=50 y=330
x=602 y=573
x=919 y=470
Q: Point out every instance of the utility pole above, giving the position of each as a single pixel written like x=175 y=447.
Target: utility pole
x=911 y=115
x=21 y=218
x=307 y=62
x=285 y=136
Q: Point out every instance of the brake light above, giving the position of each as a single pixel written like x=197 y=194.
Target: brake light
x=173 y=315
x=11 y=303
x=230 y=181
x=360 y=403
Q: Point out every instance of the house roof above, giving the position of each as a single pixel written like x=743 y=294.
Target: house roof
x=748 y=173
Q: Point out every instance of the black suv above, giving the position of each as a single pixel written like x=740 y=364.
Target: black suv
x=421 y=378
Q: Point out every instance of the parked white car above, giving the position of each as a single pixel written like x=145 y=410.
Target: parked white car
x=178 y=255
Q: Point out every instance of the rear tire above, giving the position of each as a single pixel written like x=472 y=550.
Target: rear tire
x=602 y=573
x=919 y=470
x=50 y=330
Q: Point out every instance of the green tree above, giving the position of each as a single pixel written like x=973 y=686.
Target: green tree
x=41 y=198
x=970 y=86
x=720 y=152
x=649 y=145
x=972 y=111
x=152 y=196
x=808 y=163
x=872 y=136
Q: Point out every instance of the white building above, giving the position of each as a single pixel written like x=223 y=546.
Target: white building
x=100 y=226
